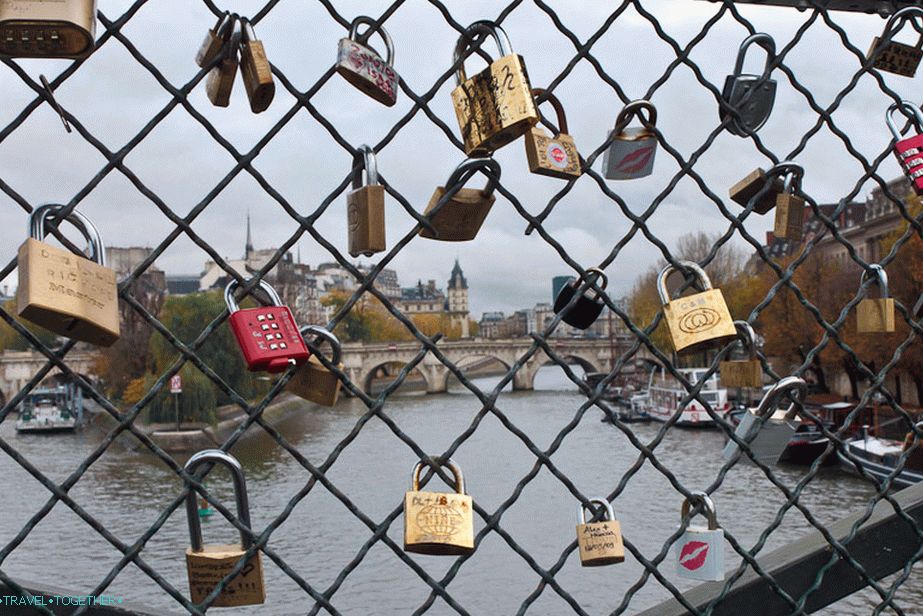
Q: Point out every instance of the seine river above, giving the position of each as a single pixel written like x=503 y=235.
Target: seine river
x=127 y=490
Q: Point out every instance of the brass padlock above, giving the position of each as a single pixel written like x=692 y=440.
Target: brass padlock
x=68 y=294
x=312 y=381
x=458 y=217
x=220 y=80
x=43 y=29
x=495 y=106
x=365 y=205
x=630 y=154
x=743 y=372
x=438 y=523
x=555 y=156
x=207 y=565
x=696 y=320
x=255 y=69
x=894 y=57
x=215 y=38
x=751 y=187
x=876 y=315
x=789 y=223
x=363 y=67
x=600 y=542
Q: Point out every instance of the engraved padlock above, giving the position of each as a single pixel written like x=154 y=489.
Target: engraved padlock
x=207 y=565
x=742 y=373
x=438 y=523
x=363 y=67
x=220 y=80
x=876 y=315
x=630 y=154
x=458 y=217
x=267 y=336
x=313 y=381
x=767 y=429
x=69 y=294
x=255 y=69
x=753 y=188
x=495 y=106
x=891 y=56
x=750 y=96
x=697 y=320
x=699 y=551
x=588 y=306
x=600 y=543
x=214 y=39
x=909 y=151
x=789 y=222
x=365 y=206
x=555 y=156
x=43 y=29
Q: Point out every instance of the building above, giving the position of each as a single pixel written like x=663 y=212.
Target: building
x=182 y=284
x=422 y=298
x=457 y=300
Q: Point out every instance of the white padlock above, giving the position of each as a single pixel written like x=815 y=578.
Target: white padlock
x=699 y=552
x=767 y=442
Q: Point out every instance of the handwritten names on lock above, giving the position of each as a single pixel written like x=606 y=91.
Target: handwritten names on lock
x=368 y=66
x=896 y=58
x=600 y=537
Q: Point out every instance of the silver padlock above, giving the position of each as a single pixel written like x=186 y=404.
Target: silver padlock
x=363 y=67
x=752 y=96
x=699 y=552
x=769 y=440
x=631 y=153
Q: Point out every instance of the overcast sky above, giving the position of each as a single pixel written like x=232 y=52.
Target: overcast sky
x=114 y=96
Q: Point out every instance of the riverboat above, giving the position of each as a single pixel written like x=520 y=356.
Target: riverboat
x=879 y=456
x=51 y=409
x=666 y=392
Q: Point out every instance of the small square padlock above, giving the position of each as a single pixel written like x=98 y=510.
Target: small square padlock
x=363 y=67
x=876 y=315
x=47 y=29
x=699 y=551
x=600 y=543
x=461 y=217
x=588 y=306
x=895 y=57
x=313 y=381
x=365 y=206
x=743 y=373
x=698 y=320
x=438 y=523
x=552 y=155
x=631 y=152
x=746 y=189
x=768 y=441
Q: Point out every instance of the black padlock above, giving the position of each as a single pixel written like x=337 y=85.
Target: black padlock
x=588 y=307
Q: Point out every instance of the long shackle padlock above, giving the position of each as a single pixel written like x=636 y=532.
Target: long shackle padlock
x=43 y=29
x=751 y=96
x=894 y=57
x=695 y=320
x=365 y=206
x=909 y=151
x=255 y=69
x=768 y=442
x=460 y=218
x=699 y=552
x=313 y=381
x=631 y=152
x=790 y=205
x=586 y=309
x=743 y=373
x=599 y=543
x=363 y=67
x=438 y=523
x=552 y=155
x=876 y=315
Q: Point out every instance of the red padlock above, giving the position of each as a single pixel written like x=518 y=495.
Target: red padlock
x=909 y=151
x=267 y=336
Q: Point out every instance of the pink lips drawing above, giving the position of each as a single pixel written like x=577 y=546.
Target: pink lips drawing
x=636 y=161
x=693 y=555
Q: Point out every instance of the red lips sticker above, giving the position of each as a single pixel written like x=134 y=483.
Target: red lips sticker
x=635 y=161
x=693 y=555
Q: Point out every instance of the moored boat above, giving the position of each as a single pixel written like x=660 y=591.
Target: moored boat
x=879 y=456
x=666 y=393
x=50 y=409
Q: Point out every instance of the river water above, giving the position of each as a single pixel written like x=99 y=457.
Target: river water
x=127 y=490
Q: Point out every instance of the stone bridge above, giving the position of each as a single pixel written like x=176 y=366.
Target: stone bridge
x=18 y=367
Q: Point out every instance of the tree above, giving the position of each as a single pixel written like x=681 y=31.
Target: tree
x=11 y=340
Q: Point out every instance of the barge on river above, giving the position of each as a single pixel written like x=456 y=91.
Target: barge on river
x=666 y=392
x=51 y=409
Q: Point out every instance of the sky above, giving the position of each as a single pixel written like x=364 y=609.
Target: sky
x=114 y=96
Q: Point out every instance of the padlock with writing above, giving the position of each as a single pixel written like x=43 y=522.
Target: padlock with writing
x=749 y=97
x=365 y=206
x=267 y=336
x=363 y=67
x=255 y=69
x=909 y=151
x=458 y=217
x=588 y=306
x=313 y=381
x=215 y=39
x=699 y=551
x=220 y=80
x=894 y=57
x=438 y=523
x=66 y=293
x=697 y=320
x=789 y=222
x=753 y=188
x=767 y=430
x=495 y=106
x=876 y=315
x=630 y=155
x=743 y=372
x=207 y=565
x=43 y=29
x=600 y=543
x=555 y=156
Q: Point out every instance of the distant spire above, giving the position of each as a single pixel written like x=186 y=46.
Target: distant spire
x=248 y=249
x=299 y=254
x=457 y=279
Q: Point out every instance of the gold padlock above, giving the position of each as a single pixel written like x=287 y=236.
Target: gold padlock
x=743 y=372
x=214 y=40
x=749 y=187
x=365 y=206
x=789 y=224
x=698 y=320
x=43 y=29
x=313 y=381
x=495 y=106
x=894 y=57
x=876 y=315
x=458 y=217
x=68 y=294
x=438 y=523
x=207 y=565
x=600 y=542
x=255 y=69
x=555 y=156
x=220 y=80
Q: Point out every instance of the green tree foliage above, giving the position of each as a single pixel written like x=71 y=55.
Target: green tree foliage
x=197 y=403
x=10 y=338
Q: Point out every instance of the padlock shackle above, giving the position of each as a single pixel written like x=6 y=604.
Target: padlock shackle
x=697 y=271
x=792 y=174
x=595 y=273
x=469 y=167
x=232 y=303
x=903 y=15
x=790 y=385
x=96 y=251
x=904 y=106
x=217 y=456
x=763 y=40
x=228 y=26
x=558 y=108
x=710 y=512
x=371 y=23
x=635 y=108
x=479 y=27
x=882 y=278
x=448 y=463
x=223 y=22
x=246 y=31
x=582 y=509
x=368 y=162
x=747 y=337
x=322 y=332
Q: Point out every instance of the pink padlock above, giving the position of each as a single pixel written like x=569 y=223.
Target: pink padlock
x=909 y=151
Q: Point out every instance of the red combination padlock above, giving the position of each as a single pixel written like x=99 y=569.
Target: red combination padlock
x=267 y=336
x=909 y=151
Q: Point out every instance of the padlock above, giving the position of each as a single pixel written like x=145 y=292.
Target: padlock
x=699 y=551
x=365 y=206
x=588 y=306
x=267 y=336
x=66 y=293
x=461 y=217
x=751 y=96
x=495 y=106
x=769 y=440
x=363 y=67
x=255 y=69
x=894 y=57
x=43 y=29
x=741 y=373
x=630 y=155
x=220 y=80
x=789 y=223
x=876 y=315
x=745 y=190
x=207 y=565
x=555 y=156
x=600 y=543
x=312 y=381
x=697 y=320
x=215 y=39
x=438 y=523
x=909 y=151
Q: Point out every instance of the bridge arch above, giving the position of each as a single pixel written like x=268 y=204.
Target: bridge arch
x=369 y=375
x=468 y=360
